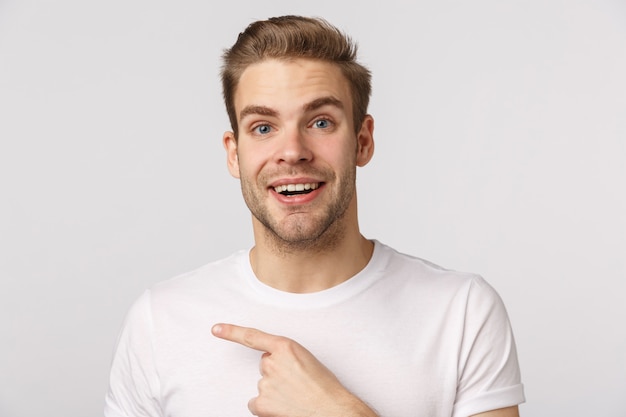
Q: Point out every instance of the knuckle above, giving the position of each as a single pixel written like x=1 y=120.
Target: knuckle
x=268 y=365
x=262 y=385
x=285 y=345
x=265 y=368
x=252 y=406
x=249 y=336
x=261 y=406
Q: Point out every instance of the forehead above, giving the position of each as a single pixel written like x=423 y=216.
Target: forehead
x=289 y=85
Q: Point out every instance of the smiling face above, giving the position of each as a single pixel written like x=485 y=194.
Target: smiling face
x=297 y=151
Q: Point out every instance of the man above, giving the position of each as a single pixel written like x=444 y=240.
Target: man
x=315 y=319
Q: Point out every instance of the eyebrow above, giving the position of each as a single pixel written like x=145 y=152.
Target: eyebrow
x=268 y=111
x=261 y=110
x=323 y=101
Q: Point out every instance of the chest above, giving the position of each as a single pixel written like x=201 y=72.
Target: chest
x=401 y=364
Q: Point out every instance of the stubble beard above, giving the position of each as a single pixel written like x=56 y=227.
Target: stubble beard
x=303 y=232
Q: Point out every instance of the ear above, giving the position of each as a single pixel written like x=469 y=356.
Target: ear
x=365 y=141
x=230 y=144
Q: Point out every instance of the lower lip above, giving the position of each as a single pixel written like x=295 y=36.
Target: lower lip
x=298 y=199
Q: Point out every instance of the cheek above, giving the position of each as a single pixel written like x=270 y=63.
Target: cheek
x=249 y=166
x=343 y=158
x=336 y=149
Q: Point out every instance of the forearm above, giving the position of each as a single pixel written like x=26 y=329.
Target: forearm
x=352 y=406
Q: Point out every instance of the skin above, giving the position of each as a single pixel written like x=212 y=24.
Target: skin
x=295 y=126
x=293 y=382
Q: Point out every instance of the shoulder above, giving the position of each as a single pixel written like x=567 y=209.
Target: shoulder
x=211 y=274
x=418 y=271
x=416 y=280
x=201 y=286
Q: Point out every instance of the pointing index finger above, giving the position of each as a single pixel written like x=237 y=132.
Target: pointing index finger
x=246 y=336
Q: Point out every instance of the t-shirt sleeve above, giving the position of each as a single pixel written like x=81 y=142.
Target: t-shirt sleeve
x=134 y=383
x=489 y=376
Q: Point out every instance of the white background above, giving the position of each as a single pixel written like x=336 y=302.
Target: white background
x=501 y=131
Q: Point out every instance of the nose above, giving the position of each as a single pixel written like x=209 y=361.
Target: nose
x=293 y=147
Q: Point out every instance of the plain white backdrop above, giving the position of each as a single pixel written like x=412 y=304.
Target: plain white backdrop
x=500 y=134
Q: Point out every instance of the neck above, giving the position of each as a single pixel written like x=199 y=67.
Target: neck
x=310 y=266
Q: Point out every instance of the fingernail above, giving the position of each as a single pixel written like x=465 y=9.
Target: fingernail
x=217 y=329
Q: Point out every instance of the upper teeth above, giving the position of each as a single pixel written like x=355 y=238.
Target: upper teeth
x=296 y=187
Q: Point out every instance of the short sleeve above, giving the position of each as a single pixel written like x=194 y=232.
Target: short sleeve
x=488 y=369
x=134 y=383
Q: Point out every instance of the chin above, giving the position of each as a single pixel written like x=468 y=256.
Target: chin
x=316 y=238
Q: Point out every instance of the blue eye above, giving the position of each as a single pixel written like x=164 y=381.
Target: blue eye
x=263 y=129
x=321 y=124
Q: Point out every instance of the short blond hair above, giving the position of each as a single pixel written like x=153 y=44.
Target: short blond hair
x=289 y=37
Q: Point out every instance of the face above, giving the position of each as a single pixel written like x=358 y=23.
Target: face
x=297 y=151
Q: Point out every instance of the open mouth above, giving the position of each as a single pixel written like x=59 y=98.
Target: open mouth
x=296 y=189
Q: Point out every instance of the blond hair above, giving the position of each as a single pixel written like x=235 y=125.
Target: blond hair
x=290 y=37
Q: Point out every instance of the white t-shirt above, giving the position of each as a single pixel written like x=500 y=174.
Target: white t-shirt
x=407 y=337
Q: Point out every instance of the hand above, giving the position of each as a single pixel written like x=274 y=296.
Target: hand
x=293 y=382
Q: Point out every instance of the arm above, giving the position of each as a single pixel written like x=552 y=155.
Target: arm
x=134 y=383
x=488 y=366
x=293 y=382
